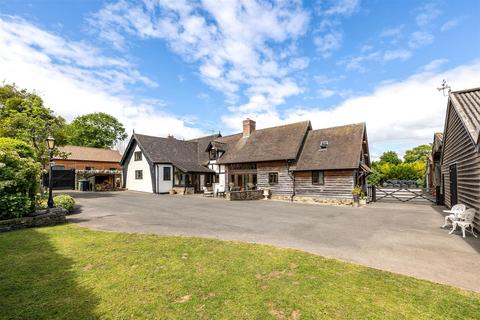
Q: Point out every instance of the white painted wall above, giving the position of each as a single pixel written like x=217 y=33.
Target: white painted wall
x=162 y=185
x=145 y=184
x=220 y=186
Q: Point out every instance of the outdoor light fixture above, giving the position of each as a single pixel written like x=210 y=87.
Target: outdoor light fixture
x=50 y=142
x=50 y=145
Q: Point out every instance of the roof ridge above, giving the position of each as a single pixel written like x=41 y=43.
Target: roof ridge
x=97 y=148
x=341 y=126
x=164 y=138
x=465 y=90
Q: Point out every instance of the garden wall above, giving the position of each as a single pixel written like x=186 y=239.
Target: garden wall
x=53 y=217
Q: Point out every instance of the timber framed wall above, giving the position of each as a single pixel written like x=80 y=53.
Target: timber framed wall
x=337 y=184
x=459 y=149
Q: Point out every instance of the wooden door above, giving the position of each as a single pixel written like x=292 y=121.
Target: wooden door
x=453 y=185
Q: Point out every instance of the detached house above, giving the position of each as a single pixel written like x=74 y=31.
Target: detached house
x=460 y=161
x=292 y=161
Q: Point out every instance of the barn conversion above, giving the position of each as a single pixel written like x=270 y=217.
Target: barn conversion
x=292 y=161
x=460 y=160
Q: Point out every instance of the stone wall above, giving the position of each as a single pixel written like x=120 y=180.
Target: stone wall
x=183 y=190
x=245 y=195
x=39 y=219
x=324 y=200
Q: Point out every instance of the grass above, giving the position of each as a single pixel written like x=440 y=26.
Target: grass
x=69 y=272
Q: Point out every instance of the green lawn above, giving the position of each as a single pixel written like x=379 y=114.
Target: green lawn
x=70 y=272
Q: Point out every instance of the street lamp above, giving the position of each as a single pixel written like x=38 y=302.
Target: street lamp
x=50 y=145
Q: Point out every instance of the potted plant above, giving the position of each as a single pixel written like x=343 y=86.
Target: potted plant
x=363 y=199
x=266 y=193
x=356 y=192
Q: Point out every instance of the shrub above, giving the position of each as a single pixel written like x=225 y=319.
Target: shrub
x=19 y=177
x=64 y=201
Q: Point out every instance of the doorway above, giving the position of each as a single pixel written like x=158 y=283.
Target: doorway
x=453 y=185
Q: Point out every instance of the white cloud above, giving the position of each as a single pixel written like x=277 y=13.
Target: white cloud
x=75 y=78
x=420 y=39
x=427 y=13
x=244 y=49
x=357 y=63
x=450 y=24
x=400 y=114
x=434 y=65
x=329 y=42
x=392 y=32
x=401 y=55
x=328 y=35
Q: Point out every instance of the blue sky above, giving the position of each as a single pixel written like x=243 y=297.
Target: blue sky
x=193 y=68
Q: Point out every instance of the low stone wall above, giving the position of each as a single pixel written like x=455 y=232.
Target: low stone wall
x=39 y=219
x=332 y=201
x=183 y=190
x=245 y=195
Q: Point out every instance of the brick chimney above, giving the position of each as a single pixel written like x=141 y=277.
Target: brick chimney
x=248 y=127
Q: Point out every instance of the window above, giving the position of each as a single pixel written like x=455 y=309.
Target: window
x=167 y=174
x=273 y=178
x=323 y=145
x=317 y=178
x=57 y=167
x=138 y=174
x=138 y=155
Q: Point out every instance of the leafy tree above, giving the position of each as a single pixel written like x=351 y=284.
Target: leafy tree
x=19 y=174
x=419 y=153
x=390 y=157
x=24 y=117
x=98 y=130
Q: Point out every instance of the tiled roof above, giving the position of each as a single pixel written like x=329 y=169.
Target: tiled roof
x=270 y=144
x=90 y=154
x=343 y=150
x=202 y=144
x=467 y=105
x=180 y=153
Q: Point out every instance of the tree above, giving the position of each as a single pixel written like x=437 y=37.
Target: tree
x=99 y=130
x=390 y=157
x=24 y=117
x=19 y=178
x=419 y=153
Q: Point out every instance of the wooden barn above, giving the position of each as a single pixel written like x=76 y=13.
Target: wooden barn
x=460 y=163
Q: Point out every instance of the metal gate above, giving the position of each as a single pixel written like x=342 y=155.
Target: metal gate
x=403 y=194
x=62 y=179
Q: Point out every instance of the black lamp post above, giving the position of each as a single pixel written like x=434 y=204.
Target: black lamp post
x=51 y=145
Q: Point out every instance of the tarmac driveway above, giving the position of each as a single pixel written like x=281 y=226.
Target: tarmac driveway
x=401 y=238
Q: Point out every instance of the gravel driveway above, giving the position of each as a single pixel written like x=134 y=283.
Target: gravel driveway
x=401 y=238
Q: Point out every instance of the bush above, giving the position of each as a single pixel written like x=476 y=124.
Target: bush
x=64 y=201
x=19 y=177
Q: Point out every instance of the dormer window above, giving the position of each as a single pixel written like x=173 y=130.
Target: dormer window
x=323 y=145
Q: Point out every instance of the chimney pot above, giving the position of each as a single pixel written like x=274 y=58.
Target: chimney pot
x=248 y=127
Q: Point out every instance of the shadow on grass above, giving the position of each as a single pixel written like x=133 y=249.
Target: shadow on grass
x=36 y=282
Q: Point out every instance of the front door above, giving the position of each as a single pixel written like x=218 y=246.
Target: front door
x=453 y=185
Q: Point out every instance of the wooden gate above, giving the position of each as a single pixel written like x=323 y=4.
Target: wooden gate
x=62 y=179
x=405 y=195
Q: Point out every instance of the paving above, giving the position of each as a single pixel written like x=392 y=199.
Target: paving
x=396 y=237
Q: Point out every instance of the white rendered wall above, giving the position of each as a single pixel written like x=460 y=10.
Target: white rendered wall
x=162 y=185
x=144 y=184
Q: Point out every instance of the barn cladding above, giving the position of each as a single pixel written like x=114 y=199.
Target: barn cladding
x=293 y=161
x=460 y=158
